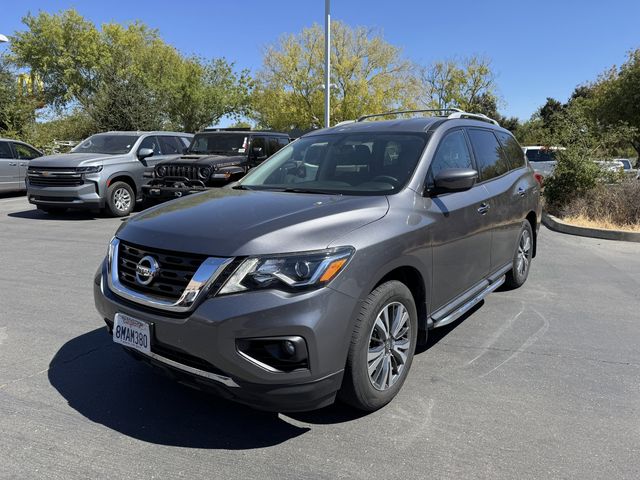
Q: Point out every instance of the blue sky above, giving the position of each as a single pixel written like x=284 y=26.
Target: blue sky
x=538 y=48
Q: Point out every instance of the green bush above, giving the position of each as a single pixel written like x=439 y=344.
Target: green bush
x=618 y=204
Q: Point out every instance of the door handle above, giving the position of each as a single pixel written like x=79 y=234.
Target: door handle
x=13 y=164
x=23 y=164
x=483 y=208
x=521 y=191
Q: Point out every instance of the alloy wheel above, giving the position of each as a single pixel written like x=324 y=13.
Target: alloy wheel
x=524 y=250
x=389 y=344
x=122 y=199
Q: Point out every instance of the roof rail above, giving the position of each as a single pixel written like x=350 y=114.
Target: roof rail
x=401 y=112
x=473 y=116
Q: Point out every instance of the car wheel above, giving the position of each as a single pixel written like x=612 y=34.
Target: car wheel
x=120 y=199
x=53 y=210
x=382 y=347
x=521 y=258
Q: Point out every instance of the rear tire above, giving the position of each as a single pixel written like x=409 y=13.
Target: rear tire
x=53 y=210
x=382 y=347
x=519 y=272
x=120 y=199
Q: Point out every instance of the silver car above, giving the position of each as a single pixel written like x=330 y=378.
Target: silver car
x=14 y=159
x=105 y=171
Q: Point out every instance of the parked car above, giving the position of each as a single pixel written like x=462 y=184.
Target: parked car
x=542 y=159
x=14 y=160
x=627 y=166
x=214 y=158
x=287 y=288
x=610 y=166
x=105 y=171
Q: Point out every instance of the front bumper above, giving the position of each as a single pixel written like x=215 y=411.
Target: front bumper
x=81 y=196
x=205 y=341
x=175 y=187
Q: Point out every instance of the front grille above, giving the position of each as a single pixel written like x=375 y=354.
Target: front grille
x=59 y=181
x=175 y=273
x=188 y=171
x=54 y=177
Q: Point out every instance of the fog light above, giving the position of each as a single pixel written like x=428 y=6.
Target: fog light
x=289 y=348
x=276 y=354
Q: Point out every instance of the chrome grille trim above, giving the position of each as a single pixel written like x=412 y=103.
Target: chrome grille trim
x=199 y=284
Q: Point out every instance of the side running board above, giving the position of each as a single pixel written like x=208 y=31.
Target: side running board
x=468 y=305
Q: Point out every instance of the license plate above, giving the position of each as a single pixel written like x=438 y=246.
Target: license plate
x=132 y=333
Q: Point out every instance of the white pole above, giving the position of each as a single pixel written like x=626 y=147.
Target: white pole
x=327 y=62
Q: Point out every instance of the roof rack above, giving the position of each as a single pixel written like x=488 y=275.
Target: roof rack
x=474 y=116
x=452 y=113
x=401 y=112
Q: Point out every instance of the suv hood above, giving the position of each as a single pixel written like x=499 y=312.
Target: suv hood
x=71 y=160
x=204 y=160
x=228 y=223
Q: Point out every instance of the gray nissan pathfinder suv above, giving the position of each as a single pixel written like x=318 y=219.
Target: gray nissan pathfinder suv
x=320 y=271
x=105 y=171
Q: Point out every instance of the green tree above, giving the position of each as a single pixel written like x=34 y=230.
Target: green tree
x=585 y=142
x=125 y=77
x=468 y=84
x=368 y=75
x=17 y=109
x=616 y=96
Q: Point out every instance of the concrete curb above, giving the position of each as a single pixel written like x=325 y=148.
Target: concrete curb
x=558 y=225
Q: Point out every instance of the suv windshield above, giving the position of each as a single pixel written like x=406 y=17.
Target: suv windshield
x=105 y=143
x=540 y=155
x=349 y=163
x=220 y=143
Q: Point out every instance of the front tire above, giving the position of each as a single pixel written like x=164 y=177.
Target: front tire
x=120 y=199
x=522 y=257
x=382 y=347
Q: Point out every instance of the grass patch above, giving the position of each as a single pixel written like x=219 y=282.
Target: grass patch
x=602 y=224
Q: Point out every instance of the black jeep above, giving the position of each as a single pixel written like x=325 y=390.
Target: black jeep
x=214 y=158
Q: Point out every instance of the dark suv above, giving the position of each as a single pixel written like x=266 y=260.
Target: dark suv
x=214 y=158
x=319 y=272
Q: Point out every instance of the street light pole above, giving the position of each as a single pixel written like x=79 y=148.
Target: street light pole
x=327 y=62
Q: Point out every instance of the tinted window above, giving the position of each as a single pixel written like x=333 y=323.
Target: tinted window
x=370 y=163
x=283 y=141
x=274 y=146
x=491 y=159
x=541 y=155
x=170 y=145
x=5 y=150
x=152 y=143
x=186 y=142
x=106 y=143
x=512 y=149
x=259 y=142
x=452 y=152
x=219 y=143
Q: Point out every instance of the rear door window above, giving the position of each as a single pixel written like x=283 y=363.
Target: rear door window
x=491 y=159
x=274 y=146
x=512 y=149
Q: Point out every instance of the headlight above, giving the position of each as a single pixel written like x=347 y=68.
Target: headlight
x=94 y=169
x=161 y=171
x=291 y=272
x=204 y=172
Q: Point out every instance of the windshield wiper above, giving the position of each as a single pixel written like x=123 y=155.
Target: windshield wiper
x=311 y=190
x=241 y=187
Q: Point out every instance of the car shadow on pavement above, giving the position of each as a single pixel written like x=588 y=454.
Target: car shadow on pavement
x=35 y=214
x=104 y=384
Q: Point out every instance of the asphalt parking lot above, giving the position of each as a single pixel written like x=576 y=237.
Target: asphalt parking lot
x=542 y=382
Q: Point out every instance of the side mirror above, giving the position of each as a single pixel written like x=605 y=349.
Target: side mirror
x=144 y=153
x=455 y=180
